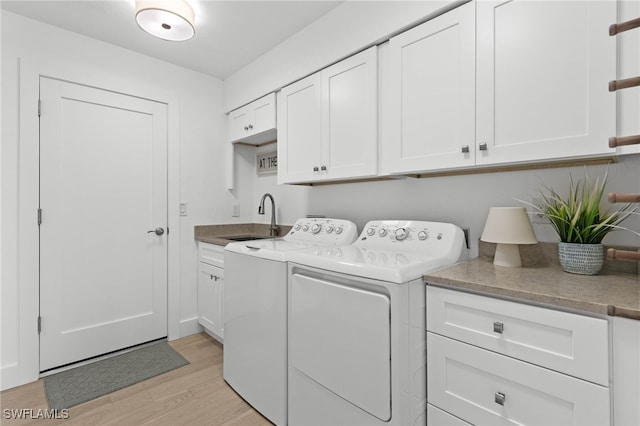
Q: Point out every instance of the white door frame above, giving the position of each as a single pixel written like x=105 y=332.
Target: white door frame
x=28 y=367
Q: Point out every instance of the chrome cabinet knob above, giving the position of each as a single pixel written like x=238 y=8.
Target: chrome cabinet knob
x=465 y=149
x=323 y=168
x=158 y=231
x=498 y=327
x=483 y=146
x=315 y=169
x=499 y=398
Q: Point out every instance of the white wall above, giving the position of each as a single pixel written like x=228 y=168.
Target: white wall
x=201 y=134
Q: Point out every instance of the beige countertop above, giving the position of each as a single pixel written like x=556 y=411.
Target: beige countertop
x=217 y=234
x=615 y=291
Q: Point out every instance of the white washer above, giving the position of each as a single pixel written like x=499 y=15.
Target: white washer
x=255 y=311
x=356 y=324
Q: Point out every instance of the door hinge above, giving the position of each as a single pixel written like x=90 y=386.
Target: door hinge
x=39 y=324
x=39 y=107
x=39 y=217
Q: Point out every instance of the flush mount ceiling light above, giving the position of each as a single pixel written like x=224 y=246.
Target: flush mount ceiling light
x=166 y=19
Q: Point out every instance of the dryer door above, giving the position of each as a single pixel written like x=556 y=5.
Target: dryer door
x=341 y=339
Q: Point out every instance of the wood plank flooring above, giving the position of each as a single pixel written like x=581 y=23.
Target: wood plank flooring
x=195 y=394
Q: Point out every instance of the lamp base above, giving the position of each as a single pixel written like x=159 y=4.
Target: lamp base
x=507 y=255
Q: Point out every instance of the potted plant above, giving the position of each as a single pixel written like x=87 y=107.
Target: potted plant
x=581 y=223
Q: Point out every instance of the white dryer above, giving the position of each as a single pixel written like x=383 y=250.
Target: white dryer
x=255 y=310
x=356 y=324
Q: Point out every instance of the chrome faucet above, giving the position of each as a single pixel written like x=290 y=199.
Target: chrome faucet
x=273 y=229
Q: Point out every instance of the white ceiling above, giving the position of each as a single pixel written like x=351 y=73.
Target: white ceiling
x=229 y=34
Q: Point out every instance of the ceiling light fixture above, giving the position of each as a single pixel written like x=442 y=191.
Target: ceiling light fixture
x=166 y=19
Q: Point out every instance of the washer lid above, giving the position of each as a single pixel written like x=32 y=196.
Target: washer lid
x=378 y=264
x=271 y=248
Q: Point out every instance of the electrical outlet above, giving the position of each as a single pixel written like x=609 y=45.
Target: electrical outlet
x=536 y=216
x=235 y=212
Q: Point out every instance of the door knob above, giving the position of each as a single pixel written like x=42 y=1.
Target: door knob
x=158 y=231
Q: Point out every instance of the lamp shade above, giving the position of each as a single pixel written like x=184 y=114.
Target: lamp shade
x=166 y=19
x=508 y=227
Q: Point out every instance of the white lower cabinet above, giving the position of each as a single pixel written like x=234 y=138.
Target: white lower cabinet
x=211 y=288
x=491 y=361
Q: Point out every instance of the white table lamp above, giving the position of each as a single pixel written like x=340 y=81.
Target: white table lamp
x=508 y=227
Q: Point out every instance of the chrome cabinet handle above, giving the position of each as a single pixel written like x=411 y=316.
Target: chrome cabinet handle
x=499 y=398
x=483 y=146
x=250 y=126
x=214 y=277
x=498 y=327
x=465 y=149
x=315 y=169
x=323 y=168
x=158 y=231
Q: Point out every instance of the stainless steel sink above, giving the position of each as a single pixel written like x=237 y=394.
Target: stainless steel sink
x=245 y=237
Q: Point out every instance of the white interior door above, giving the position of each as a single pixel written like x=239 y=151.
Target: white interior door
x=103 y=185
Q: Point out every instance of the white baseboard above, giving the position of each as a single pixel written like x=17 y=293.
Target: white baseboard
x=190 y=326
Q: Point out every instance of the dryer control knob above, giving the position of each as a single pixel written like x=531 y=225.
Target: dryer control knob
x=316 y=228
x=329 y=229
x=401 y=234
x=305 y=228
x=382 y=232
x=298 y=226
x=423 y=235
x=339 y=230
x=371 y=231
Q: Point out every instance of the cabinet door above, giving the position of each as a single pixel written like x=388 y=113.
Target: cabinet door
x=349 y=117
x=299 y=133
x=210 y=288
x=542 y=74
x=264 y=114
x=239 y=123
x=431 y=106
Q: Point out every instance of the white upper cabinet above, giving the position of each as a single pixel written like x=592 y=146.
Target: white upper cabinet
x=543 y=69
x=500 y=83
x=254 y=123
x=430 y=102
x=328 y=123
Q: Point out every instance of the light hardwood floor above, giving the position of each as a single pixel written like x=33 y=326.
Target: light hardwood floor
x=195 y=394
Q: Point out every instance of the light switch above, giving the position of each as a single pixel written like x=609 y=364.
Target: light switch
x=235 y=210
x=183 y=209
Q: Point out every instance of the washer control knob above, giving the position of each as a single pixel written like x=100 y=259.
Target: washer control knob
x=339 y=230
x=305 y=228
x=382 y=232
x=329 y=229
x=423 y=235
x=401 y=234
x=298 y=226
x=316 y=228
x=371 y=231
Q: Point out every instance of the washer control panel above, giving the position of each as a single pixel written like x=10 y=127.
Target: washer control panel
x=323 y=230
x=408 y=233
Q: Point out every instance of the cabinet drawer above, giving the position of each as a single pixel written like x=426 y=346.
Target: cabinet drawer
x=569 y=343
x=482 y=387
x=211 y=254
x=437 y=417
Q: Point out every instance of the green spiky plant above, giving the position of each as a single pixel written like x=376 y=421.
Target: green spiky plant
x=578 y=217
